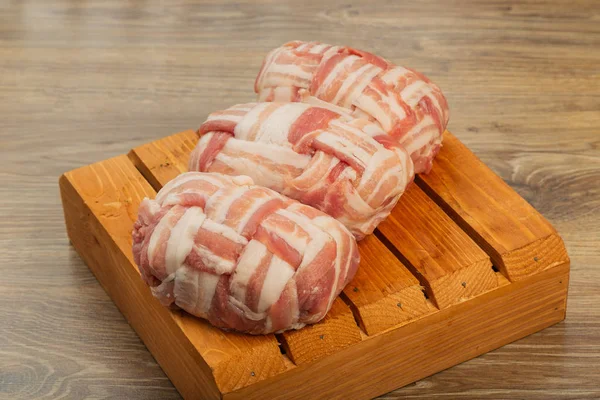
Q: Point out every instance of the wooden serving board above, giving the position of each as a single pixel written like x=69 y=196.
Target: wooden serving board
x=463 y=265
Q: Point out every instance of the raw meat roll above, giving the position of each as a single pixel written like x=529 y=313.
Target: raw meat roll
x=322 y=158
x=409 y=107
x=239 y=255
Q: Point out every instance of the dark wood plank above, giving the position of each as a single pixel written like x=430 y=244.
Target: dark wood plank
x=521 y=81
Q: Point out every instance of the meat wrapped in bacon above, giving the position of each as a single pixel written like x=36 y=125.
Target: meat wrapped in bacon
x=312 y=154
x=409 y=107
x=241 y=256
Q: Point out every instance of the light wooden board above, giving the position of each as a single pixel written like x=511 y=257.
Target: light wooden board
x=334 y=333
x=164 y=159
x=425 y=296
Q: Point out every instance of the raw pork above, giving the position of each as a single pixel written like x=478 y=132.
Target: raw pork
x=241 y=256
x=411 y=109
x=317 y=156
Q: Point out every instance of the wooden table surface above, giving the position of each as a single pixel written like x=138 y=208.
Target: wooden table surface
x=81 y=81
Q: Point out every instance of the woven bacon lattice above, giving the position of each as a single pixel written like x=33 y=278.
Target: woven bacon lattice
x=322 y=158
x=409 y=107
x=241 y=256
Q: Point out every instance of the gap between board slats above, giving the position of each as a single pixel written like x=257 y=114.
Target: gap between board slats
x=100 y=203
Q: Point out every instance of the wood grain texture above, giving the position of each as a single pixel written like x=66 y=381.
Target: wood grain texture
x=450 y=265
x=108 y=193
x=383 y=292
x=334 y=333
x=83 y=81
x=517 y=238
x=405 y=353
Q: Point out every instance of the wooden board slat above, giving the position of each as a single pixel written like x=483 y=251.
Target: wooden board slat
x=517 y=238
x=449 y=264
x=164 y=159
x=337 y=331
x=382 y=281
x=101 y=202
x=384 y=293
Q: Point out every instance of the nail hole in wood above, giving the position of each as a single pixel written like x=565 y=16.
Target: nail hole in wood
x=355 y=289
x=252 y=373
x=535 y=259
x=399 y=305
x=464 y=284
x=321 y=337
